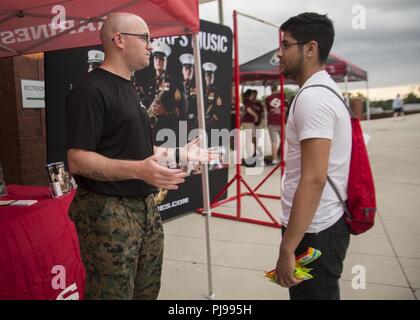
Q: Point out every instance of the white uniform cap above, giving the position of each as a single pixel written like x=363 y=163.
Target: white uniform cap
x=162 y=47
x=209 y=67
x=186 y=58
x=95 y=56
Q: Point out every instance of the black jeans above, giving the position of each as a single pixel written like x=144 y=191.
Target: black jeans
x=333 y=243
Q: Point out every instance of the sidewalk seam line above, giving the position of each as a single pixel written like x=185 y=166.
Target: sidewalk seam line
x=397 y=257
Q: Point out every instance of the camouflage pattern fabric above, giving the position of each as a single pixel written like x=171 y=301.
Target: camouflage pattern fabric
x=121 y=244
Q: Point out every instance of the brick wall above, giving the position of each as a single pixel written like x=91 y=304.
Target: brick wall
x=22 y=131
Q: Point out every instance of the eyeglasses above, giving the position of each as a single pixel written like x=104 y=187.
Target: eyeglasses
x=144 y=36
x=286 y=45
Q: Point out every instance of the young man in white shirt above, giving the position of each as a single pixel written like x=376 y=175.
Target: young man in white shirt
x=318 y=135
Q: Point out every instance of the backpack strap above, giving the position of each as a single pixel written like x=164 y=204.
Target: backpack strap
x=352 y=115
x=330 y=89
x=334 y=187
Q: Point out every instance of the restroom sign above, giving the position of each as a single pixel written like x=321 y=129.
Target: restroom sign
x=33 y=94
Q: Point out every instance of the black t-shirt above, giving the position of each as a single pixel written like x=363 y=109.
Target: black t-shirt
x=104 y=115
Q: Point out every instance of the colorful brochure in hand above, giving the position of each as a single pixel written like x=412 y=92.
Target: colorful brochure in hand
x=301 y=271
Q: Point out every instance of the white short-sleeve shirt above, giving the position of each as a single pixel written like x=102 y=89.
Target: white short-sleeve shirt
x=397 y=103
x=318 y=113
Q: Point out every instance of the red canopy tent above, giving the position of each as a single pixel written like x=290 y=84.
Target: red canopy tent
x=339 y=68
x=28 y=26
x=265 y=68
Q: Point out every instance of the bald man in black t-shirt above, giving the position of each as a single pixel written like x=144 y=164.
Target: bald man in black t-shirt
x=111 y=152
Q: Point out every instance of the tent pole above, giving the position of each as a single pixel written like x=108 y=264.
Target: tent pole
x=367 y=104
x=282 y=114
x=258 y=19
x=220 y=5
x=204 y=167
x=346 y=83
x=238 y=117
x=367 y=100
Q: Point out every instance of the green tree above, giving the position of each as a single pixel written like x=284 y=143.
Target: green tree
x=411 y=98
x=384 y=104
x=289 y=94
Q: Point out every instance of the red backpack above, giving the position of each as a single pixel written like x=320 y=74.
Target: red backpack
x=360 y=207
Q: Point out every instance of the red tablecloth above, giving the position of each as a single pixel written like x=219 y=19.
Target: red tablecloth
x=39 y=248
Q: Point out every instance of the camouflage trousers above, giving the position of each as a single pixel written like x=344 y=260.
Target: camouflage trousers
x=121 y=244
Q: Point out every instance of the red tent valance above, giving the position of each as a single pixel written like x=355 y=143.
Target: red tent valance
x=28 y=26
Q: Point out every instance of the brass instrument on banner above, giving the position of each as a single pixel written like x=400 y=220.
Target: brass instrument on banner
x=160 y=196
x=152 y=111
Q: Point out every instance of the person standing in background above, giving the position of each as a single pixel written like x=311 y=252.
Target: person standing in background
x=397 y=106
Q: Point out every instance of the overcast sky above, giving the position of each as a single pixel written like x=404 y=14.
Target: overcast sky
x=388 y=48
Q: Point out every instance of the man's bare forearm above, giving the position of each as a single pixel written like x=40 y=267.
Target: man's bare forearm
x=305 y=203
x=97 y=167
